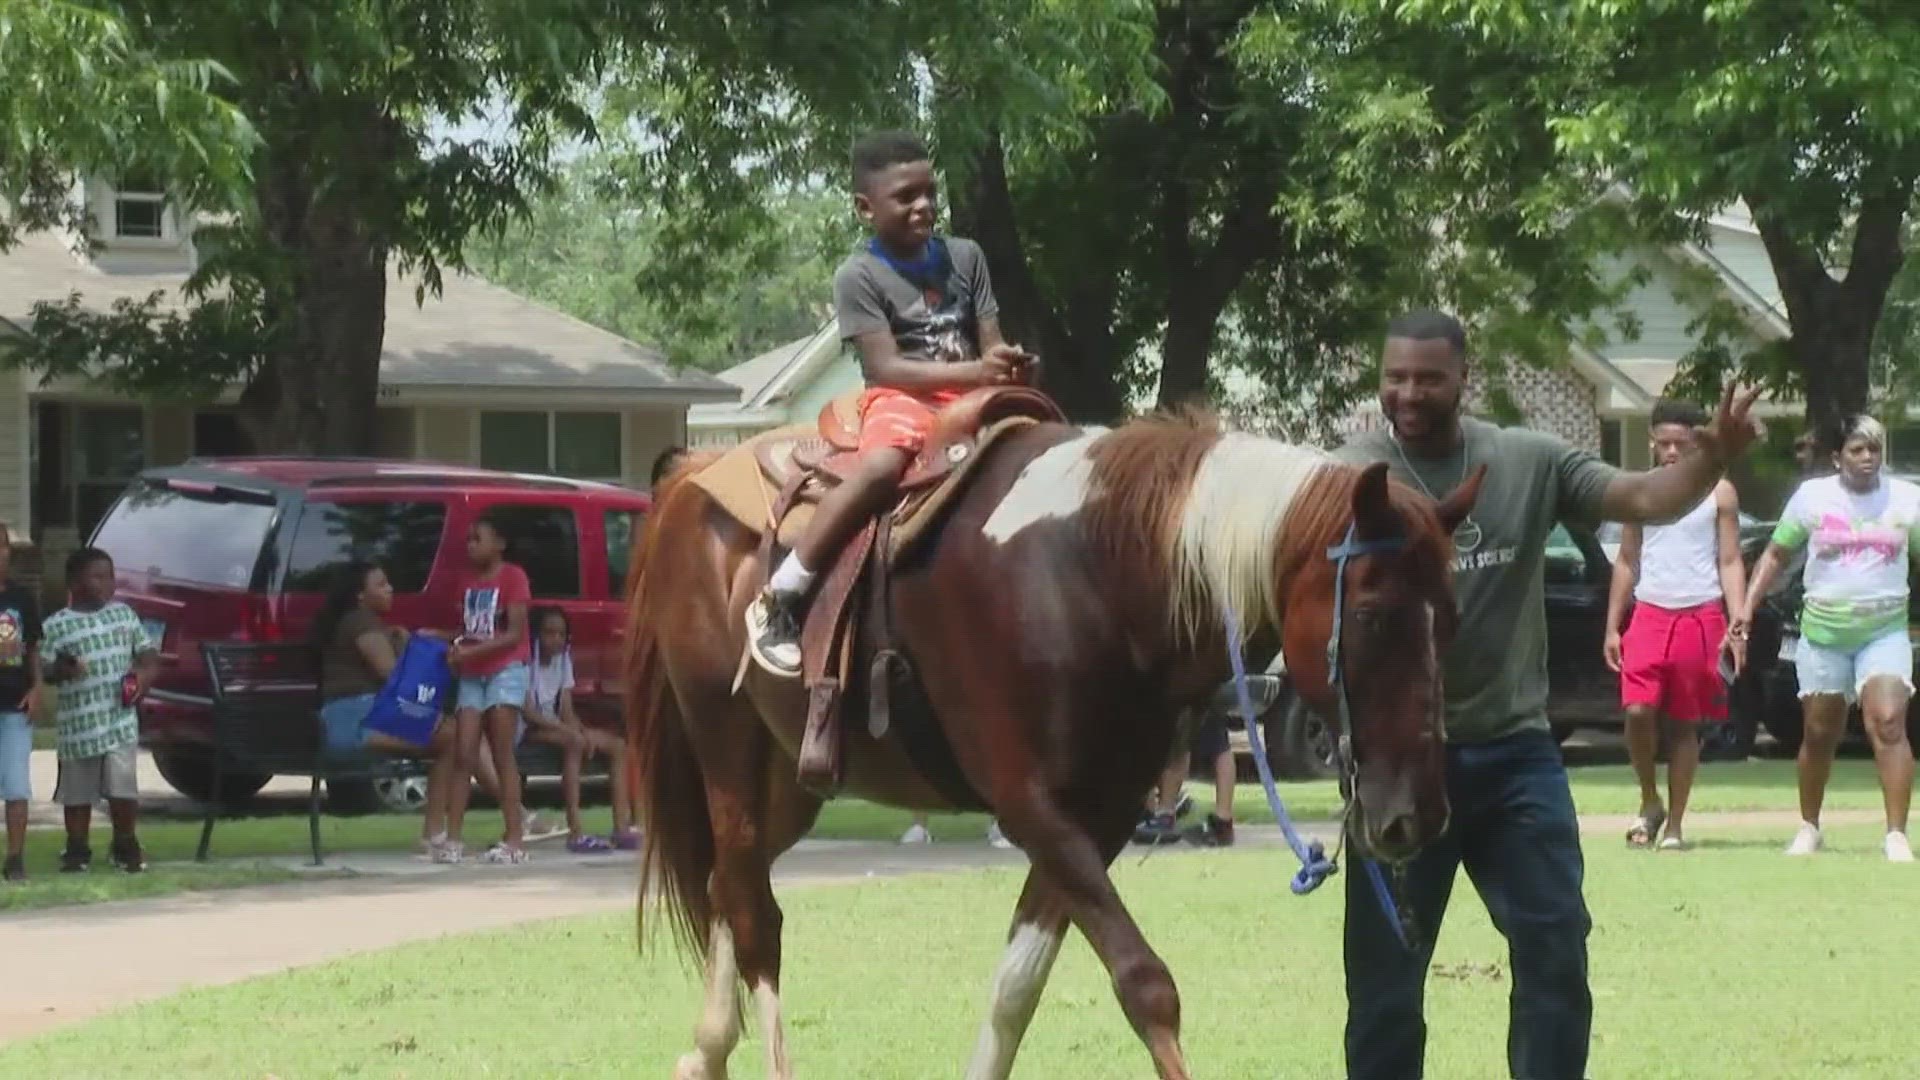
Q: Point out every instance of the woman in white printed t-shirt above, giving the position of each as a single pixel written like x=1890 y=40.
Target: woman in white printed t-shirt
x=1859 y=527
x=550 y=719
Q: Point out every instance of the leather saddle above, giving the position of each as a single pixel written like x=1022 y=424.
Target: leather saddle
x=804 y=467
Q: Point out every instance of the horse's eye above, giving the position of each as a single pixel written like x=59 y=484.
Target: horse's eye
x=1369 y=620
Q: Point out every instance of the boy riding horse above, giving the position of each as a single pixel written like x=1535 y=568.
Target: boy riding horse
x=922 y=312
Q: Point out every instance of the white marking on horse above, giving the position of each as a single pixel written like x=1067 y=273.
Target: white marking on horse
x=771 y=1031
x=719 y=1028
x=1053 y=485
x=1016 y=992
x=1235 y=508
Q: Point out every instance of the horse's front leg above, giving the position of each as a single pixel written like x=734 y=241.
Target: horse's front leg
x=1072 y=863
x=1034 y=942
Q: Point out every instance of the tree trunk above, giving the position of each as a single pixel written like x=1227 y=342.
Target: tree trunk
x=1077 y=366
x=318 y=389
x=1832 y=321
x=1193 y=320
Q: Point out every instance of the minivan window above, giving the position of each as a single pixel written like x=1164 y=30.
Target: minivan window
x=208 y=538
x=402 y=537
x=545 y=542
x=621 y=525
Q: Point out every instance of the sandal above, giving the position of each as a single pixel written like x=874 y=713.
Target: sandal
x=502 y=855
x=1673 y=843
x=627 y=840
x=1645 y=827
x=587 y=844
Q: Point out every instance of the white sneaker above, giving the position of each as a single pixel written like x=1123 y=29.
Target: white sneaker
x=997 y=838
x=773 y=635
x=1897 y=848
x=916 y=834
x=1806 y=841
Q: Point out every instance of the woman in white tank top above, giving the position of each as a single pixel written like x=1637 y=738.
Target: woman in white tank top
x=1678 y=576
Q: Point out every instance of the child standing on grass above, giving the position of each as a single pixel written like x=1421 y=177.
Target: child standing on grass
x=490 y=659
x=101 y=664
x=19 y=694
x=552 y=720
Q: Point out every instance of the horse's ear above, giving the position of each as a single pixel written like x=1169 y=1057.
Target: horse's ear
x=1372 y=505
x=1459 y=502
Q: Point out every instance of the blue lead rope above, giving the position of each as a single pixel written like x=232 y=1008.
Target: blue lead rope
x=1315 y=866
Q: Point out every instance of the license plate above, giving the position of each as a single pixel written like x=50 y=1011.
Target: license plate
x=156 y=631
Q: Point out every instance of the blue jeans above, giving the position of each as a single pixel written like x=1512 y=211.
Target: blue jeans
x=16 y=757
x=342 y=718
x=1515 y=831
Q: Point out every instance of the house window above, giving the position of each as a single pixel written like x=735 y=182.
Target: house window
x=139 y=208
x=583 y=445
x=109 y=449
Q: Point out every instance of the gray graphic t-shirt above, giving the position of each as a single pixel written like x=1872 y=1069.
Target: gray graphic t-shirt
x=1496 y=671
x=939 y=325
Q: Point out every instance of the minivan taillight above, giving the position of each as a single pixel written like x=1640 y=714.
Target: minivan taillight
x=260 y=621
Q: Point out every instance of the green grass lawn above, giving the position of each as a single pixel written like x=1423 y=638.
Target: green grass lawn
x=239 y=843
x=1726 y=961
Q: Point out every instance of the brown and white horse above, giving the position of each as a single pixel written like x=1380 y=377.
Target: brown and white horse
x=1061 y=621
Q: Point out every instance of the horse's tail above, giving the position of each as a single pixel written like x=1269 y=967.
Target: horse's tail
x=678 y=852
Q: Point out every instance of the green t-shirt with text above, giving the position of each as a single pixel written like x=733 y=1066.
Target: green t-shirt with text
x=1496 y=670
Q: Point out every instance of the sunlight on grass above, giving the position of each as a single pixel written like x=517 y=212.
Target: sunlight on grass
x=1692 y=972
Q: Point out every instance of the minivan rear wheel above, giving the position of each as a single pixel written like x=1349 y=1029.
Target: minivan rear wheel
x=190 y=772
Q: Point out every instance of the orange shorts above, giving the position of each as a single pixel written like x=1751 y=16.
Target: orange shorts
x=897 y=419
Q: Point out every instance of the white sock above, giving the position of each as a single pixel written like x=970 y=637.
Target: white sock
x=791 y=578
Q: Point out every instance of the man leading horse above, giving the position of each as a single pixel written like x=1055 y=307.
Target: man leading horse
x=1513 y=825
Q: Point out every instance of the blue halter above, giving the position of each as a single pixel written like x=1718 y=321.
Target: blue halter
x=1315 y=865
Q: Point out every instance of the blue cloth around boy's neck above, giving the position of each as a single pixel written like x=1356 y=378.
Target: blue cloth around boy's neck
x=928 y=272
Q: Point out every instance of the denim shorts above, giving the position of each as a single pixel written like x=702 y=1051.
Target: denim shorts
x=16 y=757
x=508 y=686
x=343 y=720
x=1823 y=670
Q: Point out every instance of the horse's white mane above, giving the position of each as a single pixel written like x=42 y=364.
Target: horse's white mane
x=1235 y=508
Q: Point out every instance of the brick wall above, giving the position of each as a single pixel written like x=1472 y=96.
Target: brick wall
x=1556 y=400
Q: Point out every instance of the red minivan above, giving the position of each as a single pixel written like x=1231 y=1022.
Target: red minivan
x=224 y=549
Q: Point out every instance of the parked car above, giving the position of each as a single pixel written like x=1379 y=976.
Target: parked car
x=243 y=549
x=1582 y=691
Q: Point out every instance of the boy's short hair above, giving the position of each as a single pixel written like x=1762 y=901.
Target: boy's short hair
x=878 y=151
x=1684 y=413
x=665 y=463
x=85 y=557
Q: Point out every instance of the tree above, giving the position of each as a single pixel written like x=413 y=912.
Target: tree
x=586 y=251
x=347 y=182
x=1810 y=113
x=77 y=93
x=1166 y=191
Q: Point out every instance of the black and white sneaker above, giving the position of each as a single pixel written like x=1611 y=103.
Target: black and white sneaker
x=773 y=633
x=76 y=860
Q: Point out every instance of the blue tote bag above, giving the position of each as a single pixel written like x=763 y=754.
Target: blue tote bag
x=410 y=704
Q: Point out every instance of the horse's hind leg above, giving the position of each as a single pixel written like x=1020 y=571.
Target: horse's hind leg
x=1038 y=927
x=758 y=811
x=719 y=1029
x=1073 y=863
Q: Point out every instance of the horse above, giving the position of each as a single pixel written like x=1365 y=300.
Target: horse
x=1064 y=616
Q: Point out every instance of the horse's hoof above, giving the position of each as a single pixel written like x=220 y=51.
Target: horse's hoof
x=693 y=1066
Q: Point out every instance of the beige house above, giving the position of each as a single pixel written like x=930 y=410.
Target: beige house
x=476 y=376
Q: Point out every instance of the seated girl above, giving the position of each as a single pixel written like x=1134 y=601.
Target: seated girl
x=358 y=651
x=550 y=719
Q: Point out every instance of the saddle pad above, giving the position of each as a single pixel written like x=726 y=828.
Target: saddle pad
x=738 y=485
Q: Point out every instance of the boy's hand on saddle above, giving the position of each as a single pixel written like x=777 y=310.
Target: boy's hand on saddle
x=1005 y=365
